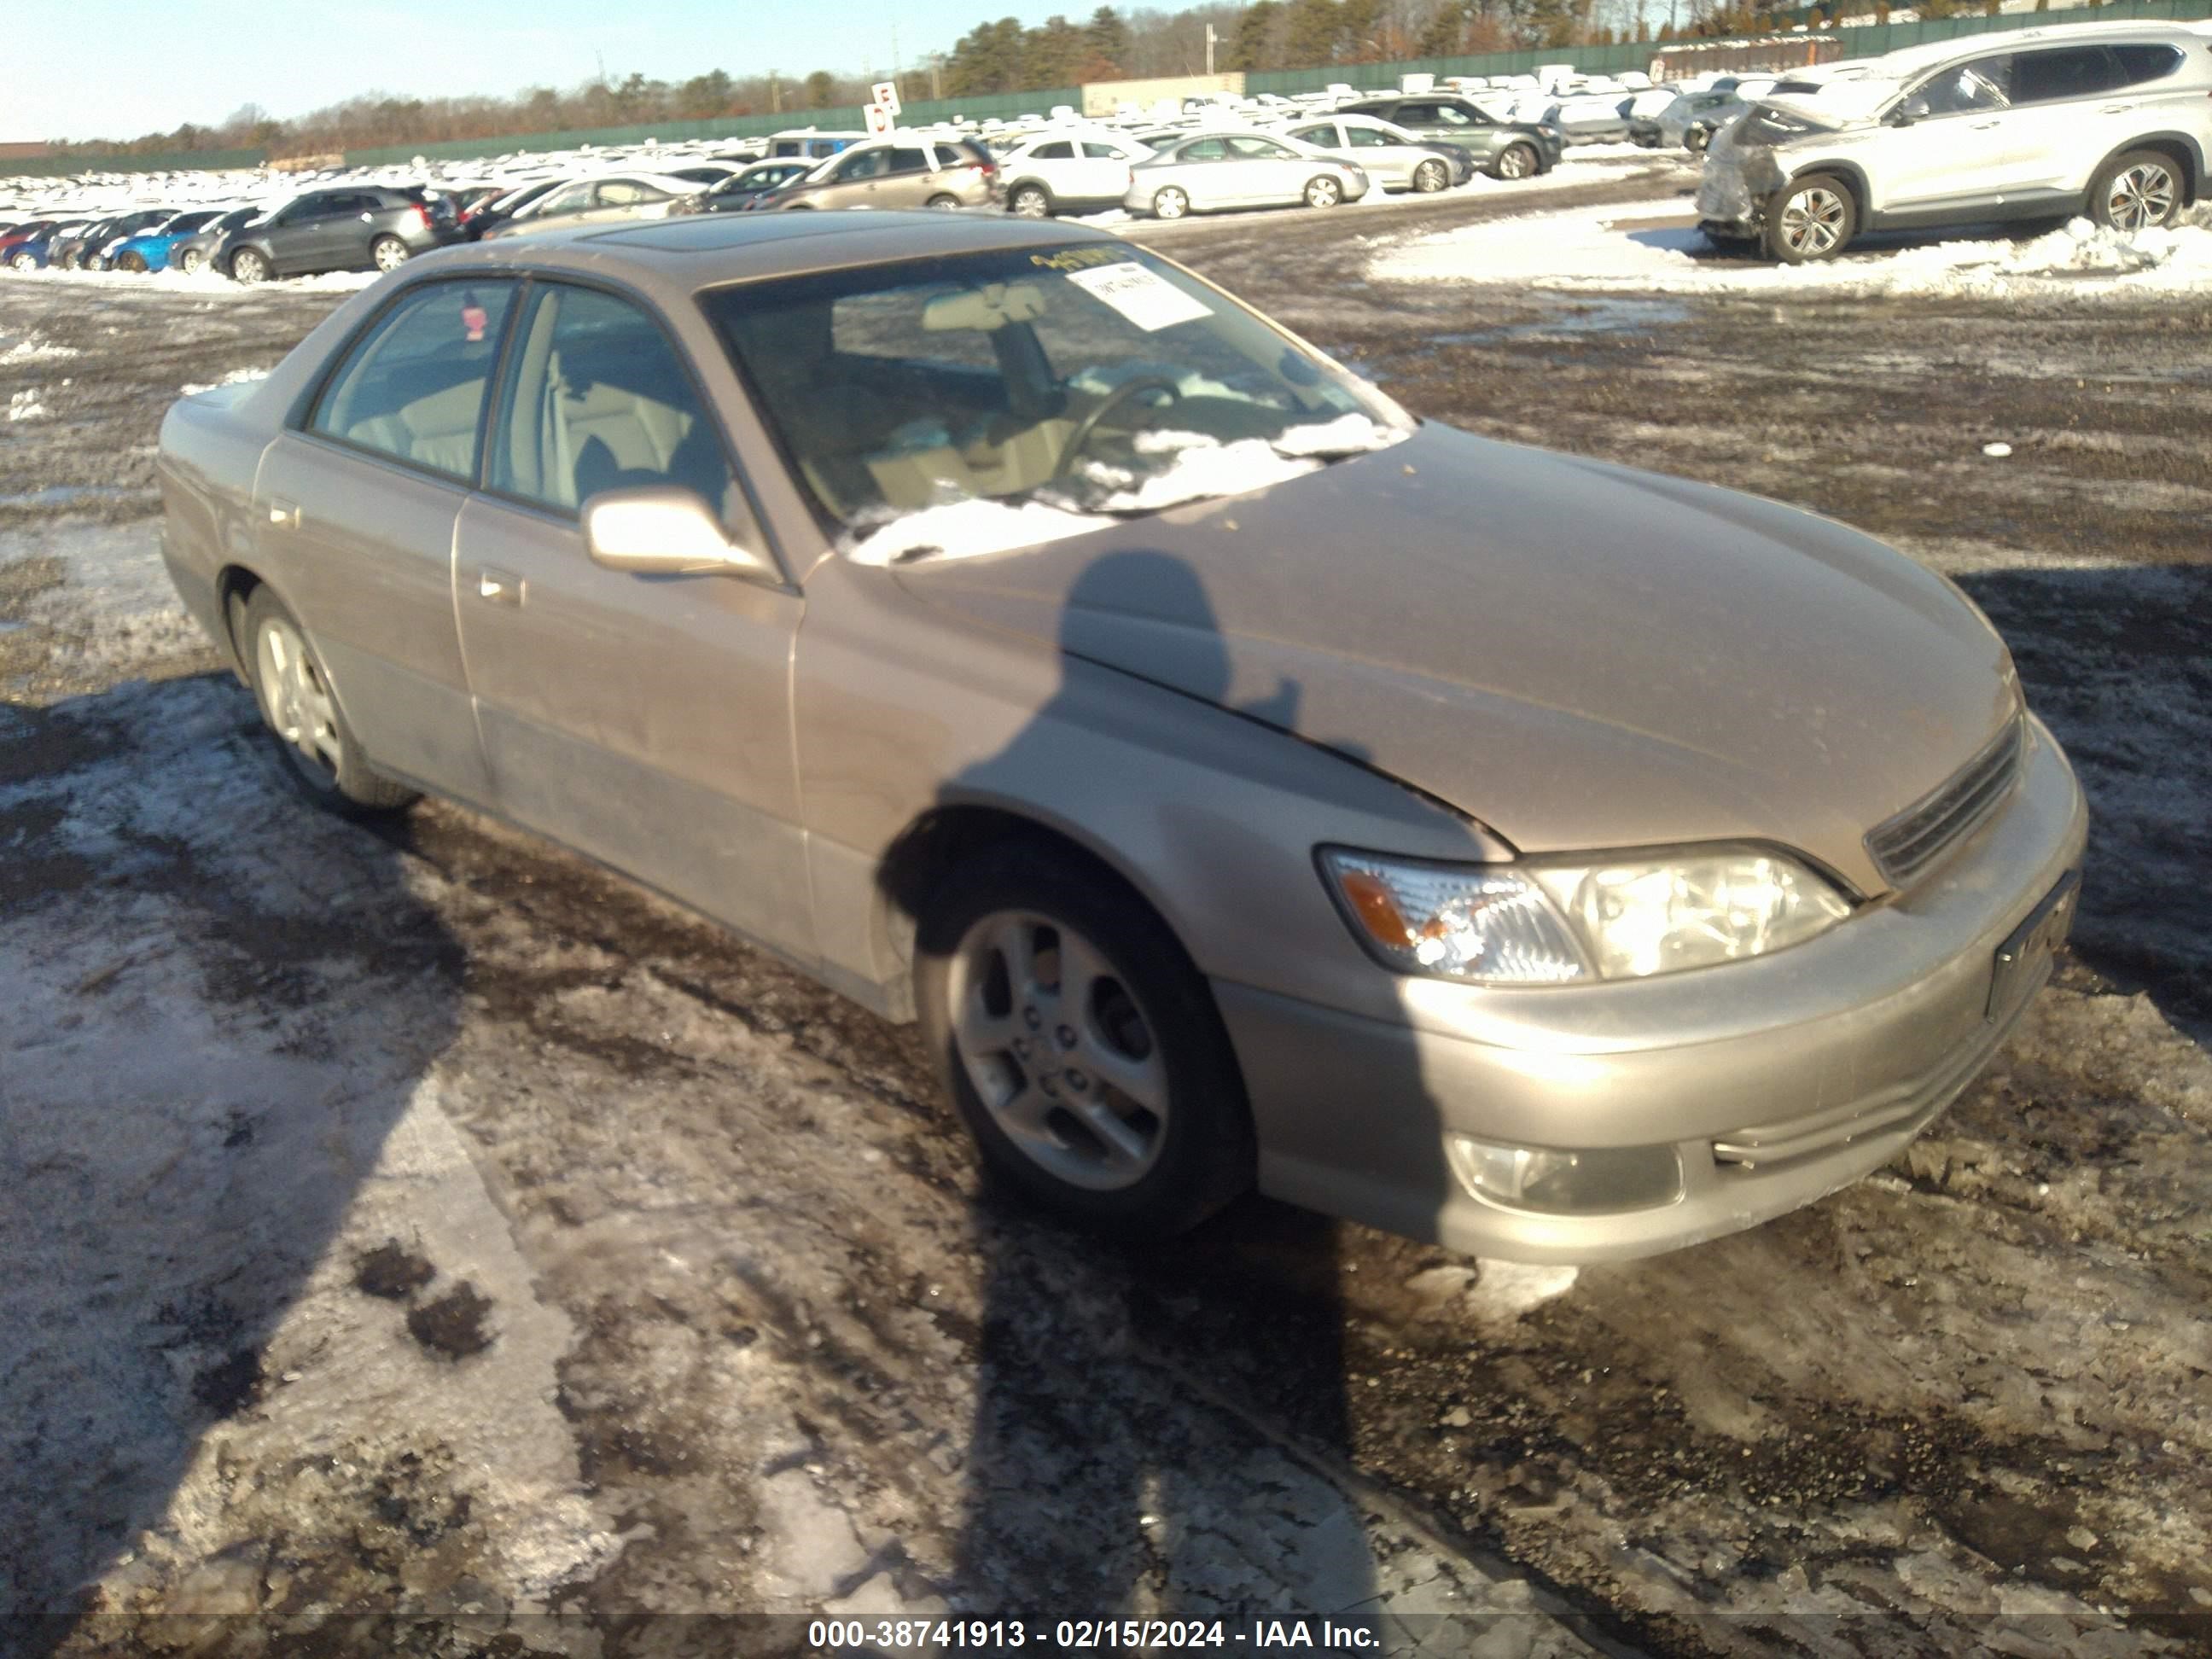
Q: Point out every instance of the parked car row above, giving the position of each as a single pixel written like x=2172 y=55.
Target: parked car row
x=359 y=228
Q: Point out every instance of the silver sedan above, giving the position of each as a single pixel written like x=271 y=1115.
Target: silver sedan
x=1207 y=171
x=1242 y=783
x=1393 y=157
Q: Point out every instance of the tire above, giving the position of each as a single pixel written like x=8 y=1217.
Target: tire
x=24 y=262
x=320 y=754
x=1431 y=177
x=1514 y=162
x=2141 y=190
x=1173 y=1148
x=1697 y=140
x=133 y=263
x=1324 y=191
x=1031 y=201
x=191 y=261
x=389 y=254
x=941 y=201
x=1171 y=203
x=249 y=265
x=1810 y=219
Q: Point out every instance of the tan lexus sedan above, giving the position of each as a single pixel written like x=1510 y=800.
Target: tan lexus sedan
x=1243 y=783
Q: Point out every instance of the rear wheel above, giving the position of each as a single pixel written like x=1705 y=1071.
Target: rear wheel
x=2136 y=192
x=1514 y=162
x=1323 y=190
x=942 y=201
x=1431 y=177
x=388 y=253
x=1081 y=1046
x=297 y=707
x=1169 y=203
x=247 y=266
x=1031 y=201
x=1809 y=219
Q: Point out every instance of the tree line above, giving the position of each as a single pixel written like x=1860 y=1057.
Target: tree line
x=1001 y=56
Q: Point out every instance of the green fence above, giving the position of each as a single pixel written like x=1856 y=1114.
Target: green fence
x=1869 y=41
x=49 y=167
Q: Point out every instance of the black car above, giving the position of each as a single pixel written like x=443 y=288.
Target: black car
x=1503 y=149
x=344 y=228
x=488 y=216
x=740 y=189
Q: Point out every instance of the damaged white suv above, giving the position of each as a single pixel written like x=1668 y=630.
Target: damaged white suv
x=2113 y=120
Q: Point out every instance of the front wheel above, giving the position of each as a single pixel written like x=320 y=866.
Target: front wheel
x=1515 y=161
x=1697 y=141
x=1431 y=177
x=24 y=262
x=248 y=266
x=1169 y=203
x=2135 y=192
x=133 y=263
x=192 y=262
x=1079 y=1044
x=1323 y=192
x=388 y=253
x=1809 y=219
x=299 y=708
x=1031 y=201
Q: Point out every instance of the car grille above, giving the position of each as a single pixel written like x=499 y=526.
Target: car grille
x=1903 y=846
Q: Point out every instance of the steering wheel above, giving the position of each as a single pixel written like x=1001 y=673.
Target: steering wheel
x=1113 y=400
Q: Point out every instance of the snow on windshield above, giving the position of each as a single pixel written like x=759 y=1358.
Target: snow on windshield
x=1200 y=468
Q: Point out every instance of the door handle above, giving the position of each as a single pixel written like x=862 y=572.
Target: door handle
x=500 y=587
x=284 y=515
x=2115 y=109
x=1983 y=126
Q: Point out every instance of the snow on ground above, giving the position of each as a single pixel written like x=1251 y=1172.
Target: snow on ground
x=1652 y=247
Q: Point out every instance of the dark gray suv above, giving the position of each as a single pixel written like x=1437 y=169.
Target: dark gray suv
x=1503 y=149
x=345 y=228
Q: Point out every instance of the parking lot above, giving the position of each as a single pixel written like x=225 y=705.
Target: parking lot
x=423 y=1219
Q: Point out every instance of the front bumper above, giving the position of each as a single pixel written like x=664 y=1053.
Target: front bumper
x=1774 y=1081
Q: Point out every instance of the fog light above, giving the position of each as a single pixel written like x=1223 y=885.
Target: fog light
x=1596 y=1181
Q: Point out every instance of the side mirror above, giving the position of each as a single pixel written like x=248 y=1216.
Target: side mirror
x=1903 y=116
x=663 y=530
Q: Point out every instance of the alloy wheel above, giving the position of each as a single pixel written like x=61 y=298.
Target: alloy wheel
x=389 y=254
x=1429 y=178
x=1514 y=163
x=1030 y=202
x=1324 y=193
x=1057 y=1050
x=1812 y=225
x=1170 y=203
x=190 y=263
x=247 y=267
x=2141 y=197
x=301 y=711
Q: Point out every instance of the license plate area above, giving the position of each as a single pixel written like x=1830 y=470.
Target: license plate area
x=2019 y=959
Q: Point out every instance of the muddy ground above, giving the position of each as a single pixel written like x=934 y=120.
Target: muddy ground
x=420 y=1221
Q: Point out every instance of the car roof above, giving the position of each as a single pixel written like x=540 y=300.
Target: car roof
x=678 y=257
x=1908 y=60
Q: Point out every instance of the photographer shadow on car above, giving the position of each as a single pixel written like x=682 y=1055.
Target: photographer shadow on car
x=1161 y=1395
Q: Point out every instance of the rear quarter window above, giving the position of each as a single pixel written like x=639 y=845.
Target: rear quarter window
x=2140 y=63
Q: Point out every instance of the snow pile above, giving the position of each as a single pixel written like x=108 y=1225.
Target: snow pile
x=25 y=406
x=1202 y=468
x=1633 y=248
x=33 y=349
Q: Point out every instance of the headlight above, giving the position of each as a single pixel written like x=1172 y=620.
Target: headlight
x=1553 y=924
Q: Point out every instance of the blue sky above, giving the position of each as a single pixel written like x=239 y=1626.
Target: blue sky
x=117 y=68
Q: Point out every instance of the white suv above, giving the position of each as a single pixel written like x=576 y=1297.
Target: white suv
x=2110 y=119
x=1069 y=173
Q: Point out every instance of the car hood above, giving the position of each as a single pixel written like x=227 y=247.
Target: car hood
x=1575 y=654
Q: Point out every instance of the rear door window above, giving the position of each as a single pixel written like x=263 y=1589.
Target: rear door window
x=1061 y=151
x=908 y=160
x=413 y=386
x=2139 y=64
x=2046 y=77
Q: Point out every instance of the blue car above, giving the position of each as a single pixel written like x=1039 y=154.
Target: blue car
x=150 y=250
x=31 y=252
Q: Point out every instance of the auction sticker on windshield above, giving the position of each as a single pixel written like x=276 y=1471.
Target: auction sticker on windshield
x=1139 y=295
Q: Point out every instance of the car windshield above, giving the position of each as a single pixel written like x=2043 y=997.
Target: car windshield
x=1089 y=380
